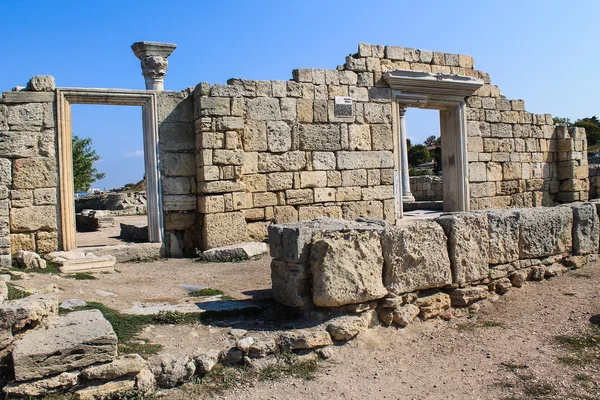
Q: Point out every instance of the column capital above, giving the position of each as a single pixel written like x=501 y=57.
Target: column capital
x=402 y=111
x=153 y=59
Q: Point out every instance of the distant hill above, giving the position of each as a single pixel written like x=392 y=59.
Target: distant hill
x=138 y=187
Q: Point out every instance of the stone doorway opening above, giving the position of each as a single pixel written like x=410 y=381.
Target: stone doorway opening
x=147 y=102
x=424 y=193
x=445 y=93
x=112 y=211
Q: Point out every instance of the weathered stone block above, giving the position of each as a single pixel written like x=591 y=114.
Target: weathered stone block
x=365 y=159
x=279 y=136
x=221 y=187
x=504 y=236
x=366 y=209
x=263 y=109
x=178 y=164
x=468 y=245
x=359 y=137
x=255 y=136
x=310 y=179
x=433 y=306
x=291 y=284
x=33 y=173
x=34 y=218
x=586 y=229
x=228 y=157
x=42 y=197
x=179 y=202
x=416 y=257
x=323 y=160
x=215 y=106
x=463 y=297
x=223 y=229
x=320 y=137
x=347 y=268
x=545 y=231
x=76 y=340
x=290 y=161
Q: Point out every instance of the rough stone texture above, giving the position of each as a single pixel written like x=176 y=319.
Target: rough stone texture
x=42 y=387
x=416 y=257
x=405 y=314
x=31 y=311
x=240 y=251
x=106 y=389
x=206 y=362
x=223 y=229
x=29 y=260
x=36 y=218
x=504 y=236
x=76 y=340
x=291 y=284
x=346 y=268
x=170 y=371
x=467 y=296
x=145 y=381
x=468 y=244
x=586 y=229
x=41 y=83
x=347 y=327
x=303 y=340
x=545 y=232
x=433 y=306
x=126 y=365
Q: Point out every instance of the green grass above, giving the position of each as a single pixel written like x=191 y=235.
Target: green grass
x=583 y=378
x=513 y=367
x=15 y=293
x=175 y=318
x=491 y=324
x=205 y=292
x=590 y=339
x=472 y=326
x=143 y=349
x=81 y=276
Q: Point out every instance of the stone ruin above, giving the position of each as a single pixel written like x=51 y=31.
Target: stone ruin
x=224 y=161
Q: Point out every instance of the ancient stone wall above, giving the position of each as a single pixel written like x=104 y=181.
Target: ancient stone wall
x=28 y=170
x=333 y=263
x=594 y=174
x=427 y=188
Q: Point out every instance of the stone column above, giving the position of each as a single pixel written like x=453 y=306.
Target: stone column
x=406 y=194
x=153 y=56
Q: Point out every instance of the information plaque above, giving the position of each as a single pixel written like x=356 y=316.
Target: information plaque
x=343 y=107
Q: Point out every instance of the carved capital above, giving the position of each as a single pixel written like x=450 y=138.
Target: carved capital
x=402 y=111
x=154 y=67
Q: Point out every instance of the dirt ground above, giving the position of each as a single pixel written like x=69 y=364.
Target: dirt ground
x=508 y=350
x=109 y=236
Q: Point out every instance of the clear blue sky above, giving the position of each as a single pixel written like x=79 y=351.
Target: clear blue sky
x=545 y=52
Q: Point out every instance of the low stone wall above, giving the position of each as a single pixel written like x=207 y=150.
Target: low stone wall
x=594 y=171
x=427 y=188
x=426 y=267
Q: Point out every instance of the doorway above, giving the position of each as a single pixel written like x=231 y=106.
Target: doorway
x=143 y=99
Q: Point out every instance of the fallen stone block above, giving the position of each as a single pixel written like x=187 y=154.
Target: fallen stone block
x=467 y=296
x=126 y=365
x=502 y=286
x=586 y=228
x=545 y=231
x=96 y=264
x=504 y=236
x=145 y=381
x=72 y=304
x=29 y=260
x=433 y=306
x=468 y=245
x=347 y=327
x=347 y=268
x=554 y=270
x=29 y=312
x=206 y=362
x=73 y=341
x=129 y=252
x=303 y=340
x=262 y=348
x=235 y=252
x=42 y=387
x=99 y=391
x=518 y=278
x=134 y=232
x=415 y=257
x=575 y=262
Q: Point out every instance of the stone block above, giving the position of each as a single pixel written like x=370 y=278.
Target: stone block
x=88 y=264
x=382 y=137
x=223 y=229
x=6 y=170
x=303 y=339
x=25 y=117
x=504 y=236
x=324 y=195
x=228 y=157
x=346 y=268
x=365 y=159
x=290 y=161
x=279 y=181
x=433 y=305
x=221 y=187
x=415 y=257
x=463 y=297
x=179 y=202
x=311 y=212
x=586 y=229
x=279 y=136
x=319 y=137
x=264 y=199
x=323 y=160
x=215 y=106
x=291 y=284
x=239 y=251
x=178 y=164
x=42 y=197
x=468 y=245
x=42 y=387
x=263 y=109
x=365 y=209
x=73 y=341
x=285 y=214
x=545 y=231
x=309 y=179
x=255 y=136
x=359 y=137
x=299 y=196
x=34 y=218
x=33 y=173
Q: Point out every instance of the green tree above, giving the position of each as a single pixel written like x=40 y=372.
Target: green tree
x=592 y=129
x=418 y=154
x=430 y=141
x=84 y=157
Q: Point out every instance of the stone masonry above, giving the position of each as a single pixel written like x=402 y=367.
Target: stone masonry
x=234 y=158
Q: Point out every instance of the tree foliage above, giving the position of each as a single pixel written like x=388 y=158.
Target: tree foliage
x=430 y=141
x=592 y=129
x=84 y=157
x=418 y=154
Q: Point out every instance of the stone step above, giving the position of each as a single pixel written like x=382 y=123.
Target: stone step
x=96 y=264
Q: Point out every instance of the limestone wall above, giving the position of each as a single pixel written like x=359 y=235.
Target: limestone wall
x=427 y=188
x=28 y=170
x=334 y=263
x=594 y=174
